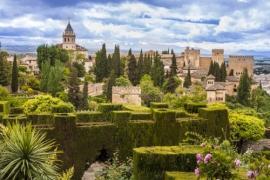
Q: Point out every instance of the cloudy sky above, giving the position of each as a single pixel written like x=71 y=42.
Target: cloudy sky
x=235 y=25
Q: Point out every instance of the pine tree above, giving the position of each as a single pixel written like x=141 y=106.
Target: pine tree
x=74 y=94
x=173 y=66
x=244 y=88
x=157 y=71
x=223 y=72
x=109 y=85
x=140 y=67
x=132 y=70
x=187 y=81
x=14 y=80
x=4 y=69
x=116 y=61
x=84 y=104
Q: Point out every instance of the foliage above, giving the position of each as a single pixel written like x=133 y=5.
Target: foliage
x=108 y=86
x=41 y=103
x=67 y=175
x=63 y=107
x=26 y=154
x=243 y=90
x=122 y=81
x=74 y=94
x=157 y=71
x=3 y=93
x=14 y=79
x=85 y=104
x=187 y=80
x=150 y=93
x=80 y=68
x=147 y=64
x=102 y=64
x=245 y=127
x=116 y=169
x=4 y=69
x=116 y=62
x=132 y=70
x=173 y=66
x=140 y=66
x=170 y=84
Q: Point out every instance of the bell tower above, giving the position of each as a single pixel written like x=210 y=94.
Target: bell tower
x=69 y=38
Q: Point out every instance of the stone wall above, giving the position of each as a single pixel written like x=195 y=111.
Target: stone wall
x=126 y=95
x=237 y=64
x=205 y=63
x=95 y=89
x=218 y=56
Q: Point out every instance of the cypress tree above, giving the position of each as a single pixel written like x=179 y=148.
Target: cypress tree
x=173 y=66
x=211 y=70
x=74 y=94
x=129 y=52
x=140 y=67
x=14 y=80
x=109 y=64
x=116 y=61
x=216 y=72
x=147 y=64
x=132 y=70
x=223 y=72
x=170 y=84
x=85 y=105
x=104 y=61
x=98 y=67
x=244 y=88
x=109 y=85
x=187 y=81
x=157 y=71
x=4 y=69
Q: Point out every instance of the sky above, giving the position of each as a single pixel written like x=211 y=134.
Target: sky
x=238 y=26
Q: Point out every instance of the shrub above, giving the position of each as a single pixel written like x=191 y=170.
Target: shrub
x=40 y=104
x=40 y=118
x=152 y=162
x=141 y=116
x=93 y=105
x=89 y=116
x=245 y=127
x=107 y=108
x=121 y=117
x=63 y=107
x=155 y=105
x=4 y=107
x=16 y=110
x=194 y=107
x=3 y=93
x=131 y=107
x=122 y=81
x=13 y=119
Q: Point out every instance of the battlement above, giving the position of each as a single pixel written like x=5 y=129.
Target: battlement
x=241 y=57
x=126 y=90
x=217 y=51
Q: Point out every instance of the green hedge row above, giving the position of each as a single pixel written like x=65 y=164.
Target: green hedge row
x=14 y=118
x=107 y=108
x=16 y=110
x=4 y=107
x=153 y=162
x=89 y=116
x=141 y=116
x=194 y=107
x=157 y=105
x=41 y=119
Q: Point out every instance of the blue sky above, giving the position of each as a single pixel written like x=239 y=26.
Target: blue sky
x=235 y=25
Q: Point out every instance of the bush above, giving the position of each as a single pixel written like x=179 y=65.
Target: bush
x=131 y=107
x=16 y=110
x=63 y=107
x=16 y=118
x=120 y=117
x=40 y=118
x=107 y=108
x=245 y=127
x=194 y=107
x=41 y=104
x=89 y=116
x=152 y=162
x=3 y=93
x=141 y=116
x=4 y=107
x=155 y=105
x=122 y=81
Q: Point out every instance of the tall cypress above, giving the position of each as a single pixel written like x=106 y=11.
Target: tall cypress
x=84 y=104
x=223 y=72
x=14 y=79
x=74 y=94
x=109 y=85
x=98 y=67
x=116 y=61
x=132 y=70
x=173 y=66
x=244 y=88
x=211 y=70
x=187 y=81
x=104 y=61
x=147 y=64
x=4 y=69
x=140 y=67
x=157 y=71
x=109 y=64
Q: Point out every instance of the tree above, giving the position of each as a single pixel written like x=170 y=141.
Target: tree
x=84 y=105
x=187 y=81
x=157 y=71
x=147 y=64
x=211 y=69
x=140 y=67
x=243 y=90
x=132 y=70
x=4 y=69
x=80 y=68
x=14 y=79
x=223 y=72
x=259 y=99
x=109 y=64
x=122 y=81
x=108 y=86
x=104 y=61
x=27 y=154
x=173 y=66
x=116 y=61
x=171 y=84
x=98 y=67
x=74 y=94
x=216 y=71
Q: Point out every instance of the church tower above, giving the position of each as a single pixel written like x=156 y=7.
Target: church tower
x=69 y=38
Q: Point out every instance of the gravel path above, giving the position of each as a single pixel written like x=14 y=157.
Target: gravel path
x=90 y=173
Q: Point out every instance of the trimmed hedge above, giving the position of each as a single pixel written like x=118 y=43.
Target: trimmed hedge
x=121 y=118
x=63 y=108
x=64 y=122
x=181 y=114
x=89 y=116
x=131 y=107
x=107 y=108
x=194 y=107
x=152 y=162
x=1 y=118
x=4 y=107
x=16 y=110
x=141 y=116
x=41 y=118
x=14 y=118
x=157 y=105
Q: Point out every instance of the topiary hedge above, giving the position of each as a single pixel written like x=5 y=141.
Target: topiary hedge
x=153 y=162
x=107 y=108
x=141 y=116
x=64 y=122
x=16 y=110
x=194 y=107
x=157 y=105
x=131 y=107
x=89 y=116
x=41 y=118
x=63 y=107
x=120 y=118
x=4 y=107
x=14 y=118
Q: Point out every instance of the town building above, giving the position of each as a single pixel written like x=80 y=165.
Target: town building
x=216 y=91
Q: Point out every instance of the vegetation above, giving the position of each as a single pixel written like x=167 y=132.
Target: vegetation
x=122 y=81
x=4 y=69
x=14 y=79
x=74 y=94
x=187 y=81
x=244 y=88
